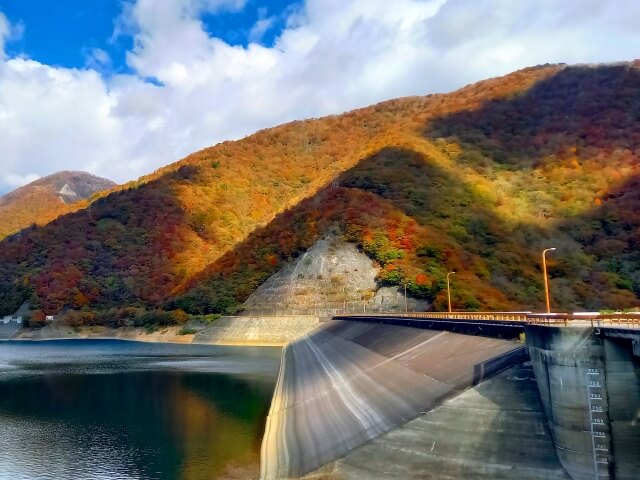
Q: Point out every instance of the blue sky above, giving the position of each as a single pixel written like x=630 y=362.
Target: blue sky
x=67 y=35
x=120 y=89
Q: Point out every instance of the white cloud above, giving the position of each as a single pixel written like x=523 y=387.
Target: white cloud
x=4 y=33
x=97 y=59
x=261 y=27
x=332 y=56
x=8 y=32
x=18 y=180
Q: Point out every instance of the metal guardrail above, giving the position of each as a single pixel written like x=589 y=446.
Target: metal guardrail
x=492 y=316
x=622 y=320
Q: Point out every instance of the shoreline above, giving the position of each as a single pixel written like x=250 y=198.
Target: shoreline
x=254 y=331
x=169 y=342
x=167 y=335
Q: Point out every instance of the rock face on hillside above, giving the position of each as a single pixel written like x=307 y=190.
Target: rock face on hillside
x=68 y=186
x=47 y=198
x=331 y=277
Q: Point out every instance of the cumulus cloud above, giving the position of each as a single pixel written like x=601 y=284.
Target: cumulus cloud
x=189 y=90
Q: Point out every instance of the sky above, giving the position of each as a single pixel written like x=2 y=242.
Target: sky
x=119 y=88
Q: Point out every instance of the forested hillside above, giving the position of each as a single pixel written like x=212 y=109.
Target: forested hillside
x=47 y=198
x=478 y=181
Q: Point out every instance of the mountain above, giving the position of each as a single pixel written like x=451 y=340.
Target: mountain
x=478 y=181
x=47 y=198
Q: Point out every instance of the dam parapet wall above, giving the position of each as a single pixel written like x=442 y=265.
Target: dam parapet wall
x=589 y=383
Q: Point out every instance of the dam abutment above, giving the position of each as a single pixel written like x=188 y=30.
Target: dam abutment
x=589 y=382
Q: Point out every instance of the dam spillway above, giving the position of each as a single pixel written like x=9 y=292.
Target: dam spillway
x=347 y=383
x=496 y=430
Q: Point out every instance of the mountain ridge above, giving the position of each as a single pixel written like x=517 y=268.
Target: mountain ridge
x=47 y=198
x=439 y=171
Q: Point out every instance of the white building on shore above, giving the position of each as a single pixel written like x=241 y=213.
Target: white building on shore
x=12 y=319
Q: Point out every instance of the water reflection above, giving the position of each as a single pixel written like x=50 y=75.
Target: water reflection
x=132 y=411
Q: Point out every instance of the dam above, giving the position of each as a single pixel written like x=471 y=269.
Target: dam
x=444 y=395
x=393 y=397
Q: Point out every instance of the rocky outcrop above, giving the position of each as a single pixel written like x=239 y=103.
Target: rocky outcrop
x=68 y=186
x=46 y=199
x=332 y=277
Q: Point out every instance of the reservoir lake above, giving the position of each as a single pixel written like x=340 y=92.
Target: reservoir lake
x=121 y=410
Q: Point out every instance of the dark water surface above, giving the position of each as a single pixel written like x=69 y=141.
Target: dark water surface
x=110 y=409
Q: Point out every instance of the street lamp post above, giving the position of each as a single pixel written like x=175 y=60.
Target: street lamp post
x=344 y=299
x=546 y=278
x=449 y=289
x=406 y=305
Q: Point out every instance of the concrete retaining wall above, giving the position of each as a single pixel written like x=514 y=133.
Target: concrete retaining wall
x=256 y=330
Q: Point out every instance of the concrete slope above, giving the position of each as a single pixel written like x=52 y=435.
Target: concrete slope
x=256 y=330
x=349 y=382
x=494 y=431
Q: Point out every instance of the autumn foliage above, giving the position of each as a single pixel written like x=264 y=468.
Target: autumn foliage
x=478 y=181
x=45 y=199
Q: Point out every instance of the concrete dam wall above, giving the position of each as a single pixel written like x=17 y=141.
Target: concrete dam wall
x=589 y=380
x=348 y=382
